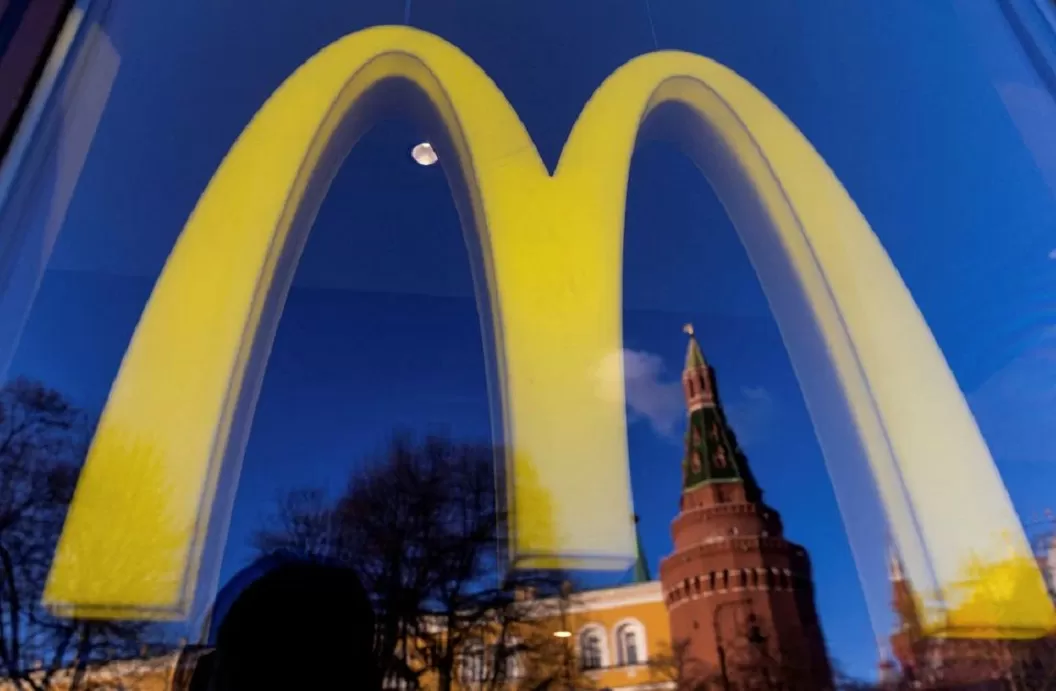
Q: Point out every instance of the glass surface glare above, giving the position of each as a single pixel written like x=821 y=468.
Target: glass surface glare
x=718 y=341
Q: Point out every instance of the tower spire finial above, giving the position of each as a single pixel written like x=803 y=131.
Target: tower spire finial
x=712 y=454
x=694 y=358
x=895 y=571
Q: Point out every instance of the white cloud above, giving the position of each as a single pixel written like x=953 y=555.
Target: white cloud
x=1052 y=254
x=649 y=396
x=655 y=396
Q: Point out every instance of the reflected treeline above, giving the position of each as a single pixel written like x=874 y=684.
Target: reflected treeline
x=422 y=526
x=43 y=440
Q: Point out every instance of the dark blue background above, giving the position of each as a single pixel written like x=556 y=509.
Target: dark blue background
x=936 y=133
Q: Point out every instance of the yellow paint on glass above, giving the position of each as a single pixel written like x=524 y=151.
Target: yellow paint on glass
x=552 y=248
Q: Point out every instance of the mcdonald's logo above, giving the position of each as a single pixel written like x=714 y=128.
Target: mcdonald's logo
x=180 y=408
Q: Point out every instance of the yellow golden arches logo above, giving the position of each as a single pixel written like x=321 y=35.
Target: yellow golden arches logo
x=552 y=255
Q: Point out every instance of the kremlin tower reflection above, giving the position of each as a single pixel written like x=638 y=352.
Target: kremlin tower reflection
x=739 y=594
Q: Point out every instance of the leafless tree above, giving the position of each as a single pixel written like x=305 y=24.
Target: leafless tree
x=754 y=668
x=749 y=667
x=42 y=445
x=678 y=666
x=422 y=526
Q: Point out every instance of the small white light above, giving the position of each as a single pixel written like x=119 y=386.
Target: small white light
x=562 y=634
x=424 y=154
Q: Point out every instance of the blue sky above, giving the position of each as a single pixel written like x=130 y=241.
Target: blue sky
x=934 y=132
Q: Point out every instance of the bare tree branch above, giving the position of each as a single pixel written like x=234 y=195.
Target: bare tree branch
x=422 y=526
x=43 y=440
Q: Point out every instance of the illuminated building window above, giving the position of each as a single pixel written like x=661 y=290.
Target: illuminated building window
x=592 y=648
x=472 y=665
x=629 y=647
x=630 y=643
x=511 y=663
x=591 y=651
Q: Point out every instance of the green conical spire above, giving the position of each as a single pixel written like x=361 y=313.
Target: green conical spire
x=641 y=565
x=711 y=450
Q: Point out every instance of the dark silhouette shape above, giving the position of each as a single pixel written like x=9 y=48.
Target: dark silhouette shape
x=303 y=625
x=201 y=674
x=423 y=526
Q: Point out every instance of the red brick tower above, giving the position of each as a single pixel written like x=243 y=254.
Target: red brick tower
x=737 y=591
x=961 y=663
x=907 y=634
